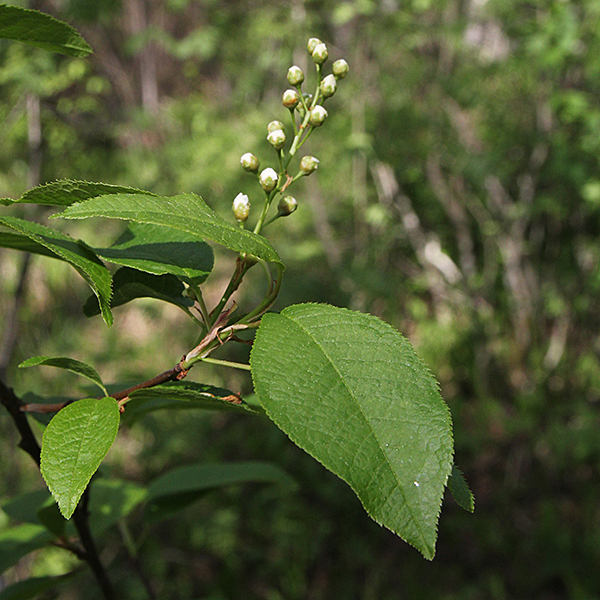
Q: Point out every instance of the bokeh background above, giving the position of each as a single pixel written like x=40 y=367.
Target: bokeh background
x=458 y=198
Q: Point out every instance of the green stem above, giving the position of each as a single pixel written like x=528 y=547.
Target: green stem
x=202 y=305
x=268 y=201
x=268 y=300
x=242 y=265
x=226 y=363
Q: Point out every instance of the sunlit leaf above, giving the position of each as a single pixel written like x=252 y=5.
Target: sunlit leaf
x=65 y=192
x=74 y=444
x=185 y=212
x=351 y=391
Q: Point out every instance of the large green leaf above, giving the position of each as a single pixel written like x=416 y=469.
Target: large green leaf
x=182 y=395
x=74 y=444
x=65 y=192
x=352 y=392
x=129 y=284
x=185 y=212
x=41 y=30
x=161 y=251
x=18 y=541
x=70 y=364
x=76 y=253
x=182 y=486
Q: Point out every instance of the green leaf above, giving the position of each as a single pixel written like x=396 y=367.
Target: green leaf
x=70 y=364
x=185 y=212
x=352 y=392
x=129 y=284
x=182 y=395
x=182 y=486
x=34 y=586
x=65 y=192
x=73 y=446
x=162 y=251
x=41 y=30
x=76 y=253
x=16 y=542
x=459 y=488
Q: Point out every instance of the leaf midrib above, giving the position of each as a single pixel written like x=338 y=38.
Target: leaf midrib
x=78 y=453
x=400 y=487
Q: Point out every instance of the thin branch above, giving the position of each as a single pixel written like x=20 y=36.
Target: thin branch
x=12 y=404
x=81 y=520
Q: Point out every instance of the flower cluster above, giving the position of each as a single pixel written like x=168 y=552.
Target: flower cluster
x=307 y=113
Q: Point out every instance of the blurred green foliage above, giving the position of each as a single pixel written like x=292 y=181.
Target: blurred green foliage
x=458 y=197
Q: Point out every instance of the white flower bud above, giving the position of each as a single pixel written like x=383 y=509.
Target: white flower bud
x=320 y=53
x=317 y=116
x=328 y=86
x=308 y=165
x=276 y=139
x=241 y=207
x=287 y=205
x=312 y=44
x=274 y=126
x=249 y=162
x=295 y=75
x=340 y=68
x=268 y=179
x=291 y=98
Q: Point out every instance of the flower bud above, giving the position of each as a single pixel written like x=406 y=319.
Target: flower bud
x=276 y=139
x=340 y=68
x=250 y=162
x=295 y=75
x=268 y=179
x=328 y=86
x=274 y=126
x=317 y=116
x=287 y=205
x=291 y=98
x=312 y=44
x=241 y=207
x=308 y=164
x=320 y=53
x=307 y=98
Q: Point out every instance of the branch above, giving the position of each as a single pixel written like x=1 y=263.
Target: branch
x=12 y=404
